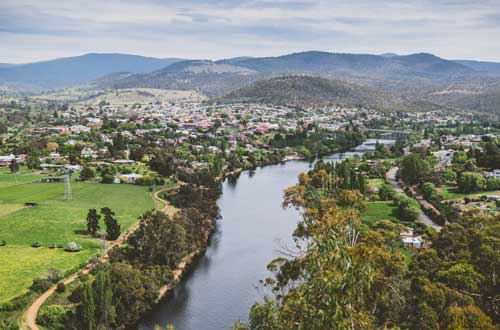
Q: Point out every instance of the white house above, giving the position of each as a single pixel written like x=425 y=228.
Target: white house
x=411 y=241
x=493 y=174
x=128 y=178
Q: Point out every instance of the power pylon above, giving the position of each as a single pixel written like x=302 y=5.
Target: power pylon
x=67 y=187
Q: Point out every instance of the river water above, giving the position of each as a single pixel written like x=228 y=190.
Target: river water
x=222 y=285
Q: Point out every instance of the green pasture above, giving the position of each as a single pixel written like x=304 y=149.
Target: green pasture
x=54 y=221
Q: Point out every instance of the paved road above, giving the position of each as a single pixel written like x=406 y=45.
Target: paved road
x=424 y=218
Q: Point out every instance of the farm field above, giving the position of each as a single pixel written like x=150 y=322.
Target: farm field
x=54 y=221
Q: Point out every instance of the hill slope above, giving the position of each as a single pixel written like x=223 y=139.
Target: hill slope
x=308 y=90
x=69 y=71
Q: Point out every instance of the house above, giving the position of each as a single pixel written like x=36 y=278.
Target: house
x=127 y=178
x=123 y=162
x=411 y=241
x=493 y=174
x=6 y=160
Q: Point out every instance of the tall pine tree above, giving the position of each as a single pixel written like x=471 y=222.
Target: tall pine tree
x=87 y=308
x=93 y=221
x=105 y=311
x=113 y=228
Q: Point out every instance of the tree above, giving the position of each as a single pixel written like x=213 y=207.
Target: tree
x=105 y=310
x=86 y=310
x=87 y=173
x=461 y=277
x=448 y=175
x=468 y=317
x=386 y=192
x=470 y=181
x=413 y=168
x=428 y=190
x=14 y=166
x=93 y=221
x=113 y=228
x=33 y=161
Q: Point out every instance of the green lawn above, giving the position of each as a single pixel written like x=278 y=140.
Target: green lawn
x=375 y=183
x=376 y=211
x=453 y=193
x=54 y=221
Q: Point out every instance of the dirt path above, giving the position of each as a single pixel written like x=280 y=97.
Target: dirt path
x=28 y=320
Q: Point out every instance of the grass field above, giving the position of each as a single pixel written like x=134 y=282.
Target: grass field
x=377 y=211
x=54 y=221
x=375 y=183
x=453 y=193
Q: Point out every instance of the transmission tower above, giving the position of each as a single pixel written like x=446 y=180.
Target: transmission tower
x=67 y=187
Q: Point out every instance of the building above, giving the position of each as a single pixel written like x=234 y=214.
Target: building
x=493 y=174
x=127 y=178
x=410 y=241
x=6 y=160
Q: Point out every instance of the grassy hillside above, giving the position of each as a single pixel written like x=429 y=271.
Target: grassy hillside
x=54 y=221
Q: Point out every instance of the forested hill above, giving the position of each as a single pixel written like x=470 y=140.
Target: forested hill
x=309 y=90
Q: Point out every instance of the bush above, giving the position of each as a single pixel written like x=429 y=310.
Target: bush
x=470 y=181
x=36 y=245
x=107 y=179
x=408 y=208
x=40 y=285
x=492 y=184
x=3 y=243
x=386 y=192
x=54 y=275
x=61 y=287
x=52 y=246
x=73 y=247
x=51 y=317
x=428 y=190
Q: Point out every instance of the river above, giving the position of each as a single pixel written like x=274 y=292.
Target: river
x=221 y=286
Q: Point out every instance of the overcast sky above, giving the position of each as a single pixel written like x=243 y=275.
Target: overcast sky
x=32 y=30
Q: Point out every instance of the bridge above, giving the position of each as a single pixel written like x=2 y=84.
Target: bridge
x=389 y=134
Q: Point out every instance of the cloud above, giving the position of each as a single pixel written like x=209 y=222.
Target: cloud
x=34 y=30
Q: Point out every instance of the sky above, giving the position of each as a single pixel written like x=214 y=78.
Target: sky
x=34 y=30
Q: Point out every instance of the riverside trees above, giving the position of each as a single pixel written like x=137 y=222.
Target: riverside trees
x=345 y=275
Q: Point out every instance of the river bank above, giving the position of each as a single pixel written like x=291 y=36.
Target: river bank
x=219 y=286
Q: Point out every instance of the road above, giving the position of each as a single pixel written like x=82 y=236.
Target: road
x=424 y=218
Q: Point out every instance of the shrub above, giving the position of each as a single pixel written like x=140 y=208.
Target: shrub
x=61 y=287
x=54 y=275
x=428 y=190
x=107 y=178
x=73 y=247
x=36 y=245
x=386 y=192
x=40 y=285
x=408 y=208
x=51 y=317
x=3 y=243
x=470 y=181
